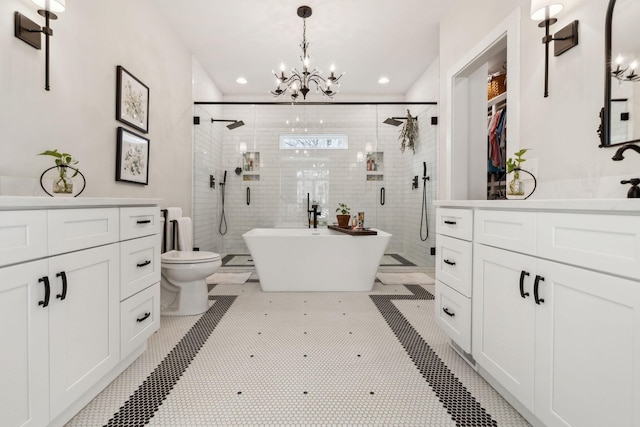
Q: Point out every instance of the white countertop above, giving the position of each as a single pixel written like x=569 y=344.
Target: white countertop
x=566 y=205
x=28 y=202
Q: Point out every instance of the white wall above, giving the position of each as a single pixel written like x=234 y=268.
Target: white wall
x=78 y=115
x=560 y=130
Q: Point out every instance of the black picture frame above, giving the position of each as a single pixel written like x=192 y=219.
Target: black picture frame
x=132 y=100
x=132 y=157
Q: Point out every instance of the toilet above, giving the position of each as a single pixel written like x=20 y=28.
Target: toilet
x=183 y=286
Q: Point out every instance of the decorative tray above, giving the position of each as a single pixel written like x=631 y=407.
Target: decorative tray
x=354 y=231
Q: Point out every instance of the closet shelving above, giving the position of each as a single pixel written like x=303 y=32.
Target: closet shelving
x=496 y=181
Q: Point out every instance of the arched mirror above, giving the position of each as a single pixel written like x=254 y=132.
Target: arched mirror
x=621 y=113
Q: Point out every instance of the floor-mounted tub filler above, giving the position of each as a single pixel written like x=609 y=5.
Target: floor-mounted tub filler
x=292 y=259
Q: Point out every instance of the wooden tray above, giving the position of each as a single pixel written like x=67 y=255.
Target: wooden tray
x=353 y=232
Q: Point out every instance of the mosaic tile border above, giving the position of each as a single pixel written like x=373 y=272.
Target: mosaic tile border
x=454 y=396
x=145 y=401
x=464 y=409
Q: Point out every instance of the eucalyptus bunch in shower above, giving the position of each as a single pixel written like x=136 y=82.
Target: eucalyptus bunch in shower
x=409 y=133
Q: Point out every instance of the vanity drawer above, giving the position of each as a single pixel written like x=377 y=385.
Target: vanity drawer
x=454 y=263
x=139 y=264
x=510 y=230
x=455 y=222
x=138 y=222
x=23 y=236
x=453 y=315
x=75 y=229
x=139 y=319
x=609 y=243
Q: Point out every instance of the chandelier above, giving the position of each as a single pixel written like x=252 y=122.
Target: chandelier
x=619 y=72
x=298 y=82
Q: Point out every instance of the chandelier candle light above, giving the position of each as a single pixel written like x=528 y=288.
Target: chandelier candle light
x=299 y=82
x=619 y=72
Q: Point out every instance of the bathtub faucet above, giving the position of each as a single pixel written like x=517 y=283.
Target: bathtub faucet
x=314 y=212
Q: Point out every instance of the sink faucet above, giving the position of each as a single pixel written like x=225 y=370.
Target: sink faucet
x=618 y=156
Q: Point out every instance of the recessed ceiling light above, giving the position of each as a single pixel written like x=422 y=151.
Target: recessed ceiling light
x=241 y=80
x=383 y=80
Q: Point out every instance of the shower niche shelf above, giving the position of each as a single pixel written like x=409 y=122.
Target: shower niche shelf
x=375 y=166
x=251 y=166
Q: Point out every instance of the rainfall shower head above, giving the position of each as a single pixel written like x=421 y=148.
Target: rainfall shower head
x=397 y=121
x=393 y=121
x=234 y=123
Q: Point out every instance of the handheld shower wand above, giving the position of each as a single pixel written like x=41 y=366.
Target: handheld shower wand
x=424 y=218
x=223 y=220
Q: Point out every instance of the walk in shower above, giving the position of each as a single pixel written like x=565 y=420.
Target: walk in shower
x=329 y=153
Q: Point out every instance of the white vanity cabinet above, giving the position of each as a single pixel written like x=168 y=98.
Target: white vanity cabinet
x=453 y=274
x=556 y=307
x=24 y=355
x=82 y=345
x=60 y=306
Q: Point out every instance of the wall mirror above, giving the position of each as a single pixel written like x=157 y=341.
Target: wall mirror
x=621 y=113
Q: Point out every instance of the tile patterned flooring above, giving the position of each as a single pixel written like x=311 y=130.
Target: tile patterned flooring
x=293 y=358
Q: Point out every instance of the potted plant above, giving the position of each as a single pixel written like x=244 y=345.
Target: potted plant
x=409 y=133
x=64 y=183
x=343 y=216
x=516 y=187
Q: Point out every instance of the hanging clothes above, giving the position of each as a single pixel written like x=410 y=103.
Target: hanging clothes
x=496 y=135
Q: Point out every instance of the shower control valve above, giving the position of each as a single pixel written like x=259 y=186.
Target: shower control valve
x=414 y=184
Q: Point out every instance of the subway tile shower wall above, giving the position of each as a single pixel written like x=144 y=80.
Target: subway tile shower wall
x=279 y=197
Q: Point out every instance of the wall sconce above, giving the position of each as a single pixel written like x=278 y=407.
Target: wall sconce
x=29 y=32
x=565 y=39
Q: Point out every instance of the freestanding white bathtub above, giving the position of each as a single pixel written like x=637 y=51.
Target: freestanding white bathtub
x=308 y=259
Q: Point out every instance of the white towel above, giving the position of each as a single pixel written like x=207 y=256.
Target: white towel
x=172 y=213
x=185 y=234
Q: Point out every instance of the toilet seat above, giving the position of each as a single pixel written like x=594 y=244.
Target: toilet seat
x=188 y=257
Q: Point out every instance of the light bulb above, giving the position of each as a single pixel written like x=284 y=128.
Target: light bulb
x=282 y=67
x=51 y=5
x=619 y=59
x=633 y=65
x=306 y=61
x=332 y=68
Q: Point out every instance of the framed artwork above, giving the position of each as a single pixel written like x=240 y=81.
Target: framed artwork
x=132 y=100
x=132 y=158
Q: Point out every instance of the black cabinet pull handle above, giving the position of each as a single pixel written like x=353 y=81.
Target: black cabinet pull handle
x=144 y=317
x=446 y=261
x=47 y=291
x=248 y=196
x=535 y=289
x=523 y=294
x=450 y=222
x=143 y=221
x=63 y=295
x=383 y=196
x=147 y=262
x=446 y=310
